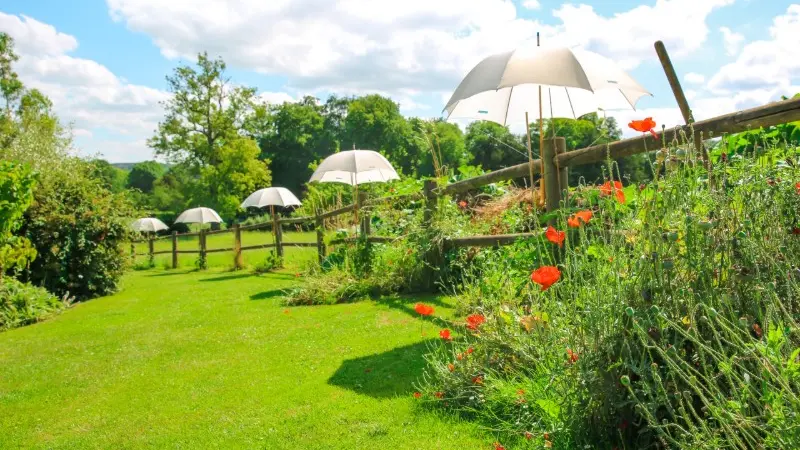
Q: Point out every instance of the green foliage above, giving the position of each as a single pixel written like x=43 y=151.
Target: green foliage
x=442 y=147
x=16 y=194
x=270 y=262
x=77 y=227
x=144 y=175
x=493 y=147
x=113 y=179
x=23 y=304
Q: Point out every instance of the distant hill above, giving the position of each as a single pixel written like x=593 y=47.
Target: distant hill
x=129 y=166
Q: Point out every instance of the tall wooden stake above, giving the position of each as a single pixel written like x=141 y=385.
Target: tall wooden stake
x=541 y=135
x=530 y=158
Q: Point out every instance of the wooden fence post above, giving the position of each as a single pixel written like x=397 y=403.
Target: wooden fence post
x=238 y=262
x=563 y=173
x=203 y=261
x=320 y=235
x=174 y=249
x=151 y=250
x=550 y=171
x=276 y=227
x=133 y=250
x=430 y=201
x=683 y=104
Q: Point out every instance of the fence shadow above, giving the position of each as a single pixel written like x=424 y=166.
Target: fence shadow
x=229 y=277
x=384 y=375
x=266 y=295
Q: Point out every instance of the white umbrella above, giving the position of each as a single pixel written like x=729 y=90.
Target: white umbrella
x=574 y=82
x=149 y=224
x=271 y=196
x=199 y=215
x=355 y=167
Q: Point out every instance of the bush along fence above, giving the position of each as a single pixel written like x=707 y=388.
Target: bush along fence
x=553 y=167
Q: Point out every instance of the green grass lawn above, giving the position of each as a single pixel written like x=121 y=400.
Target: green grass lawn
x=211 y=359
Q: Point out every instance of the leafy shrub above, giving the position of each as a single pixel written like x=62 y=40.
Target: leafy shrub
x=23 y=304
x=269 y=263
x=674 y=323
x=16 y=193
x=78 y=228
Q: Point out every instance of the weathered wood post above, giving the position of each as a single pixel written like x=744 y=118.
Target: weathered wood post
x=563 y=173
x=430 y=201
x=320 y=225
x=550 y=171
x=361 y=200
x=133 y=250
x=683 y=104
x=238 y=262
x=174 y=249
x=276 y=227
x=151 y=250
x=203 y=262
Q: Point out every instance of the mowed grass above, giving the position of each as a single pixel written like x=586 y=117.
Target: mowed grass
x=189 y=359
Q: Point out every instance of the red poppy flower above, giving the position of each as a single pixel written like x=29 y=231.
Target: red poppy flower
x=477 y=380
x=445 y=334
x=579 y=217
x=451 y=367
x=797 y=187
x=796 y=230
x=528 y=435
x=438 y=394
x=460 y=356
x=607 y=188
x=644 y=126
x=470 y=350
x=572 y=356
x=475 y=320
x=555 y=236
x=417 y=395
x=520 y=392
x=757 y=330
x=497 y=446
x=424 y=310
x=546 y=276
x=462 y=204
x=547 y=436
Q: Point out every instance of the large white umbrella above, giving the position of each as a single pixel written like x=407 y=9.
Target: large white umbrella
x=566 y=82
x=574 y=82
x=271 y=196
x=150 y=224
x=355 y=167
x=199 y=215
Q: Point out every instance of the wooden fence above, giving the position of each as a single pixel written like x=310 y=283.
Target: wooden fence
x=553 y=167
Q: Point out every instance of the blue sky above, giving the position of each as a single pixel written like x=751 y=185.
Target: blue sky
x=103 y=62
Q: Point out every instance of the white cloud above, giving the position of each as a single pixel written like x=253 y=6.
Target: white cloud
x=764 y=68
x=84 y=92
x=391 y=46
x=531 y=4
x=694 y=78
x=732 y=40
x=276 y=98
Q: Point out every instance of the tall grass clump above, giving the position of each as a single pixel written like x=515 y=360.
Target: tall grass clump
x=665 y=315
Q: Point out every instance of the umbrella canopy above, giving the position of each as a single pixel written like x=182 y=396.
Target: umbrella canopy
x=199 y=215
x=149 y=224
x=355 y=167
x=271 y=196
x=574 y=82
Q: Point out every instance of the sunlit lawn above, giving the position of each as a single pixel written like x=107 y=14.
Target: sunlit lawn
x=187 y=359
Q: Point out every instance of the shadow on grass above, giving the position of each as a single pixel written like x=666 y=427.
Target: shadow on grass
x=170 y=273
x=266 y=295
x=230 y=277
x=384 y=375
x=406 y=305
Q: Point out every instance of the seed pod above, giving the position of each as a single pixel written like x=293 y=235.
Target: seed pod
x=706 y=225
x=680 y=153
x=629 y=311
x=667 y=264
x=625 y=380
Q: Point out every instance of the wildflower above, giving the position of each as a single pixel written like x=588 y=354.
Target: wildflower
x=438 y=394
x=796 y=231
x=548 y=444
x=417 y=395
x=528 y=435
x=575 y=220
x=572 y=356
x=644 y=126
x=445 y=334
x=555 y=236
x=497 y=446
x=462 y=204
x=547 y=436
x=475 y=320
x=757 y=330
x=797 y=187
x=546 y=276
x=423 y=310
x=451 y=367
x=607 y=188
x=297 y=275
x=520 y=392
x=470 y=350
x=477 y=380
x=286 y=311
x=460 y=356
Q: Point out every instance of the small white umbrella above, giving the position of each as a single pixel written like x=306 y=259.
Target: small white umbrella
x=355 y=167
x=271 y=196
x=150 y=224
x=199 y=215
